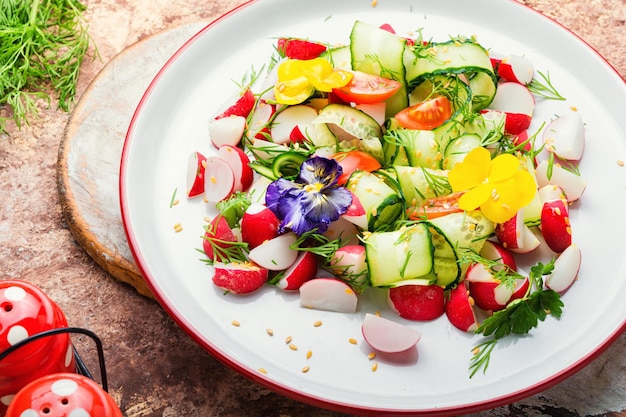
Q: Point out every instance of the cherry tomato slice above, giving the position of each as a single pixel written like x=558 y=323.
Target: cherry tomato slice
x=425 y=115
x=436 y=207
x=367 y=89
x=351 y=161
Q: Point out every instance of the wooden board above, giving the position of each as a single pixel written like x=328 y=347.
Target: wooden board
x=91 y=149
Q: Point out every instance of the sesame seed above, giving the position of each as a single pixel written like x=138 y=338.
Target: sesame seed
x=263 y=371
x=213 y=179
x=475 y=351
x=269 y=332
x=235 y=323
x=178 y=228
x=374 y=366
x=371 y=356
x=620 y=162
x=288 y=339
x=352 y=341
x=175 y=202
x=309 y=354
x=318 y=323
x=292 y=346
x=306 y=369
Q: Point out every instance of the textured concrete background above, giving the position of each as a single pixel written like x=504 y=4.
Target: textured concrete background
x=154 y=368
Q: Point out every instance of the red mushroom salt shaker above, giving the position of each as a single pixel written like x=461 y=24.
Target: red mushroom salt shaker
x=63 y=395
x=25 y=310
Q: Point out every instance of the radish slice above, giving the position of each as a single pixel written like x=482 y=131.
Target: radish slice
x=328 y=294
x=531 y=242
x=275 y=254
x=460 y=309
x=219 y=179
x=195 y=174
x=238 y=161
x=516 y=68
x=239 y=278
x=513 y=97
x=302 y=270
x=565 y=269
x=388 y=336
x=260 y=121
x=227 y=130
x=573 y=185
x=565 y=136
x=299 y=116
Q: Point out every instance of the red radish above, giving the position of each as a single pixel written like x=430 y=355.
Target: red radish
x=565 y=136
x=496 y=59
x=355 y=213
x=460 y=309
x=375 y=110
x=219 y=180
x=239 y=162
x=517 y=69
x=565 y=269
x=275 y=254
x=416 y=301
x=517 y=102
x=195 y=174
x=218 y=234
x=344 y=230
x=260 y=121
x=258 y=224
x=242 y=107
x=495 y=251
x=488 y=292
x=387 y=336
x=572 y=184
x=299 y=48
x=303 y=270
x=531 y=242
x=349 y=264
x=521 y=139
x=511 y=232
x=328 y=294
x=555 y=225
x=521 y=288
x=239 y=278
x=293 y=117
x=227 y=130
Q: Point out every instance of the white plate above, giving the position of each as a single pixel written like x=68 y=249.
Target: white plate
x=171 y=121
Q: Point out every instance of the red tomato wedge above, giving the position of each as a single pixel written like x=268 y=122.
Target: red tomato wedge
x=436 y=207
x=351 y=161
x=367 y=89
x=426 y=115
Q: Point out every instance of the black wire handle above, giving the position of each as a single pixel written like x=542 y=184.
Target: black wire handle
x=79 y=362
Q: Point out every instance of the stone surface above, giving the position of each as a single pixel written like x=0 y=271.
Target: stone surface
x=154 y=368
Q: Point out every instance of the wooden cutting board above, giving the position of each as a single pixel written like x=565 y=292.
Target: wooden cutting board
x=91 y=148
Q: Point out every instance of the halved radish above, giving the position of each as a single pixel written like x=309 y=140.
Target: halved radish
x=565 y=136
x=219 y=179
x=195 y=174
x=511 y=232
x=218 y=234
x=551 y=192
x=259 y=126
x=239 y=162
x=487 y=291
x=416 y=301
x=328 y=294
x=349 y=264
x=227 y=130
x=516 y=68
x=239 y=278
x=344 y=230
x=275 y=254
x=387 y=336
x=291 y=118
x=258 y=224
x=243 y=105
x=302 y=270
x=572 y=184
x=355 y=213
x=531 y=242
x=565 y=269
x=460 y=309
x=555 y=225
x=258 y=189
x=517 y=102
x=495 y=251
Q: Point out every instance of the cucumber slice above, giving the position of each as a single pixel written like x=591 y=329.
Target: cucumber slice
x=339 y=57
x=420 y=146
x=353 y=129
x=380 y=52
x=458 y=147
x=419 y=183
x=464 y=230
x=382 y=204
x=399 y=255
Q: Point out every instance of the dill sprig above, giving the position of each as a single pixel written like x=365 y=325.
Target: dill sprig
x=544 y=88
x=43 y=44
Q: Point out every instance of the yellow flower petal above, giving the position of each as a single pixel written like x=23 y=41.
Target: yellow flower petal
x=293 y=91
x=322 y=76
x=472 y=171
x=503 y=167
x=526 y=186
x=475 y=197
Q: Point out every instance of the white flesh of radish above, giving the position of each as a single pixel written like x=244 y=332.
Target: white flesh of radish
x=260 y=119
x=512 y=97
x=275 y=254
x=551 y=192
x=238 y=161
x=388 y=336
x=328 y=294
x=565 y=269
x=258 y=189
x=219 y=180
x=478 y=273
x=287 y=120
x=227 y=130
x=573 y=185
x=521 y=67
x=565 y=136
x=531 y=242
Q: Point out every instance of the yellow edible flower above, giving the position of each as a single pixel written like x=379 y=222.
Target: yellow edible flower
x=499 y=187
x=298 y=79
